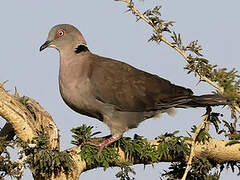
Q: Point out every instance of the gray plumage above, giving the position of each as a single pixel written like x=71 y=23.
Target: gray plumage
x=112 y=91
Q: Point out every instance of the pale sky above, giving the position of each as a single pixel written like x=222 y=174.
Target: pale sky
x=112 y=33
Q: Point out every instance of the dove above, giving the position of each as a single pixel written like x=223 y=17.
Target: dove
x=112 y=91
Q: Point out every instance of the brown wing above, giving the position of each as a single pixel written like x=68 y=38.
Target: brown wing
x=130 y=89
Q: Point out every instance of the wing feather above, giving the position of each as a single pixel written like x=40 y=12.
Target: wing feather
x=130 y=89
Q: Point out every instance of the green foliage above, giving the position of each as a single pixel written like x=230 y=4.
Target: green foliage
x=6 y=166
x=200 y=169
x=139 y=148
x=177 y=40
x=43 y=161
x=153 y=17
x=136 y=148
x=82 y=134
x=108 y=156
x=203 y=135
x=173 y=146
x=176 y=171
x=124 y=173
x=24 y=100
x=89 y=153
x=223 y=127
x=214 y=119
x=231 y=131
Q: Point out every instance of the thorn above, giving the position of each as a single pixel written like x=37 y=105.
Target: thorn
x=189 y=134
x=127 y=11
x=3 y=83
x=16 y=95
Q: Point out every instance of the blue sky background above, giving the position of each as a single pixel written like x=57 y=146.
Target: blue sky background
x=111 y=32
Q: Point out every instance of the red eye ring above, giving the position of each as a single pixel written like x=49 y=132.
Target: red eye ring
x=60 y=33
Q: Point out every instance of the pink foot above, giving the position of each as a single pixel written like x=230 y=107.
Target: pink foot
x=101 y=145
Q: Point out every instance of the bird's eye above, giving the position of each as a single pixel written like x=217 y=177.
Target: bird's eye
x=60 y=33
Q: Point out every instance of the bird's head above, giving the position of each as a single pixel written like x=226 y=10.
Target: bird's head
x=64 y=36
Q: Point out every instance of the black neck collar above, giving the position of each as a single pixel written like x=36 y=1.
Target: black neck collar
x=81 y=48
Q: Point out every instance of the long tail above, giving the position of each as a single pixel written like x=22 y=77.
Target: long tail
x=193 y=101
x=204 y=101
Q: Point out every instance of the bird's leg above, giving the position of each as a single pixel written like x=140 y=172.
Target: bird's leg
x=101 y=138
x=107 y=140
x=94 y=141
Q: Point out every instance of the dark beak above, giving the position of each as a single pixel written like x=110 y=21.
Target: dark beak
x=45 y=45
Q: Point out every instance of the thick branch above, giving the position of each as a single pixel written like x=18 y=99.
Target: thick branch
x=17 y=115
x=28 y=119
x=214 y=150
x=44 y=123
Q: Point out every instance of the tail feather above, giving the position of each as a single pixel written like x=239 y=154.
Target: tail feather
x=193 y=101
x=205 y=100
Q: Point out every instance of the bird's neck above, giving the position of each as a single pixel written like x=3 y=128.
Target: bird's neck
x=69 y=51
x=72 y=67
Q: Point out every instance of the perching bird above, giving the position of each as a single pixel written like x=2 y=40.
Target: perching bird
x=112 y=91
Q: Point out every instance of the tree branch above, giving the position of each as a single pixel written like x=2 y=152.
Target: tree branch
x=17 y=115
x=27 y=118
x=214 y=150
x=193 y=144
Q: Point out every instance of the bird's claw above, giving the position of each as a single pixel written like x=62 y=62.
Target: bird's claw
x=101 y=145
x=98 y=144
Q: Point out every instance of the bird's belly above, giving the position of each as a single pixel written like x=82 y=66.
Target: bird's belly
x=80 y=99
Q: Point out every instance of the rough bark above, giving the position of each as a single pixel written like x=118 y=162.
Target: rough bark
x=26 y=120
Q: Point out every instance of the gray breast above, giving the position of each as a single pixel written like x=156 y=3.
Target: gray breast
x=80 y=99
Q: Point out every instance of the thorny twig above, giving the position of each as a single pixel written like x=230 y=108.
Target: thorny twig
x=204 y=122
x=180 y=51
